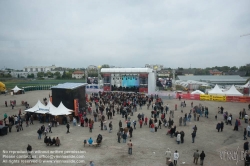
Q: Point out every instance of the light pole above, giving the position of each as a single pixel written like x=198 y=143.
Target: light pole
x=155 y=70
x=98 y=69
x=174 y=88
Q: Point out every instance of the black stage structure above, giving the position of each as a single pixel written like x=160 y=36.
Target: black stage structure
x=67 y=93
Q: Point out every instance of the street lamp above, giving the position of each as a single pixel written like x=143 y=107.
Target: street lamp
x=98 y=69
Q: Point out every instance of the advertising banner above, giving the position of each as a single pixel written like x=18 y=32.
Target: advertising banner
x=205 y=97
x=76 y=106
x=219 y=98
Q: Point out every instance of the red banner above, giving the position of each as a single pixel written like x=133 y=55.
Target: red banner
x=143 y=90
x=106 y=88
x=76 y=106
x=188 y=96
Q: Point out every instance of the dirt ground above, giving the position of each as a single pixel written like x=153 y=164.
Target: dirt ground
x=148 y=148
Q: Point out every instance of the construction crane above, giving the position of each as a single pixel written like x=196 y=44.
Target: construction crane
x=245 y=35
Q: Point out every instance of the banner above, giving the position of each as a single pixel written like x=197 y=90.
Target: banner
x=219 y=98
x=76 y=106
x=205 y=97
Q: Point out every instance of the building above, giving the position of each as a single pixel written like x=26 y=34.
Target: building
x=215 y=72
x=39 y=68
x=154 y=67
x=28 y=70
x=78 y=74
x=163 y=73
x=211 y=79
x=188 y=72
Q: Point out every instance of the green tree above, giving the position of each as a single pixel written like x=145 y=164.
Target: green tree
x=105 y=66
x=31 y=75
x=49 y=74
x=40 y=74
x=64 y=74
x=57 y=75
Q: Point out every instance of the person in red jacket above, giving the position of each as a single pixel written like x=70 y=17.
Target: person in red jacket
x=90 y=127
x=152 y=127
x=82 y=122
x=140 y=123
x=146 y=121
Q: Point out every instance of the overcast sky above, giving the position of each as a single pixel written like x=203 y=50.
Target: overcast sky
x=124 y=33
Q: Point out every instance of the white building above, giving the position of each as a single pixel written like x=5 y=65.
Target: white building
x=28 y=70
x=78 y=74
x=39 y=68
x=154 y=67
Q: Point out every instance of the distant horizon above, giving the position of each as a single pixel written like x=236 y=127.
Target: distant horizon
x=1 y=68
x=126 y=33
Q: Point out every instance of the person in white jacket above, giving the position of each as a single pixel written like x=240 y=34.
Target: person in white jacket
x=176 y=156
x=178 y=138
x=168 y=155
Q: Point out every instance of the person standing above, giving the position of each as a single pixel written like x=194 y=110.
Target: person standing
x=29 y=150
x=39 y=133
x=140 y=123
x=202 y=156
x=178 y=139
x=110 y=126
x=6 y=105
x=124 y=136
x=130 y=147
x=49 y=128
x=193 y=136
x=218 y=127
x=248 y=130
x=221 y=126
x=176 y=157
x=168 y=155
x=196 y=156
x=68 y=126
x=119 y=136
x=245 y=134
x=130 y=132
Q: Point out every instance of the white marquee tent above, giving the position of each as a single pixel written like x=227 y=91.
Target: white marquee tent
x=216 y=91
x=16 y=89
x=50 y=109
x=197 y=92
x=233 y=92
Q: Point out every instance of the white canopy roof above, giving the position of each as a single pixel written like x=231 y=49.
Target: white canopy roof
x=62 y=110
x=197 y=92
x=126 y=70
x=50 y=109
x=247 y=85
x=16 y=89
x=216 y=91
x=233 y=92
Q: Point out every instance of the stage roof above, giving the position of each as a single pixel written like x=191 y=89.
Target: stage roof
x=126 y=70
x=68 y=85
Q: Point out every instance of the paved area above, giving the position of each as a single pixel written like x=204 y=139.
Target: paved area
x=149 y=148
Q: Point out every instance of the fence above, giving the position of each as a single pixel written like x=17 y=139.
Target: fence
x=242 y=99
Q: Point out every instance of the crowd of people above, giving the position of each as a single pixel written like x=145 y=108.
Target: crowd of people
x=103 y=107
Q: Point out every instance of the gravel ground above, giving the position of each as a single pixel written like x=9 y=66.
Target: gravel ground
x=148 y=148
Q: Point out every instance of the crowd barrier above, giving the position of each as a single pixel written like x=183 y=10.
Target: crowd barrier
x=241 y=99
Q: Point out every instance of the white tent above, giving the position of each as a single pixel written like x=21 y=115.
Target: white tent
x=233 y=92
x=36 y=107
x=50 y=109
x=62 y=110
x=198 y=92
x=247 y=85
x=216 y=91
x=16 y=89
